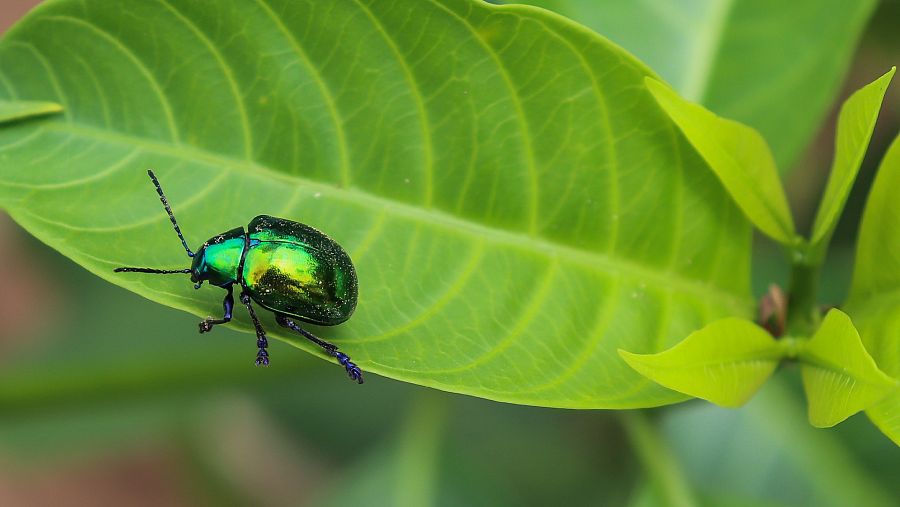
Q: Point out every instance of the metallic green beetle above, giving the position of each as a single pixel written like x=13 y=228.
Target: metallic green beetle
x=287 y=267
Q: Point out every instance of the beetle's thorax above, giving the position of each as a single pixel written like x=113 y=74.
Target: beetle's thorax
x=218 y=260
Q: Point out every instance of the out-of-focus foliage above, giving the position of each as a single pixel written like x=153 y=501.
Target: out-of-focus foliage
x=768 y=452
x=776 y=66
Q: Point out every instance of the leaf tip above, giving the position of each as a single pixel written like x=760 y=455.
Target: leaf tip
x=632 y=359
x=657 y=88
x=625 y=354
x=652 y=82
x=822 y=421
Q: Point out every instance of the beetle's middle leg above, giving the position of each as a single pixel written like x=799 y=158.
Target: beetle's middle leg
x=352 y=370
x=228 y=305
x=262 y=356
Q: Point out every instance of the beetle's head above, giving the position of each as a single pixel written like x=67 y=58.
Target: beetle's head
x=217 y=261
x=199 y=271
x=214 y=261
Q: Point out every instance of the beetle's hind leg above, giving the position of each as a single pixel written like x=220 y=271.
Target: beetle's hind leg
x=228 y=305
x=352 y=370
x=262 y=356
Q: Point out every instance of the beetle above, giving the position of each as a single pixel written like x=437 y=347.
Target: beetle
x=286 y=267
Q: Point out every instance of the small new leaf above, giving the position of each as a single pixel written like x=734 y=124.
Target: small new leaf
x=840 y=378
x=854 y=130
x=740 y=158
x=21 y=109
x=724 y=363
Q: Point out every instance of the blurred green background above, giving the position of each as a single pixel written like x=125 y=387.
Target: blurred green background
x=101 y=402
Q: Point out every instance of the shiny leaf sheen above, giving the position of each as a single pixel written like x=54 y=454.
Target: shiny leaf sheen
x=776 y=66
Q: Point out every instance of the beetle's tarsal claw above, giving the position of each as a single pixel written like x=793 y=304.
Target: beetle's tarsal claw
x=205 y=326
x=353 y=371
x=262 y=356
x=356 y=374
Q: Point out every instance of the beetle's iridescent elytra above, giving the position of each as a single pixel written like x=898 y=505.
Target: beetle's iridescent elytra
x=289 y=268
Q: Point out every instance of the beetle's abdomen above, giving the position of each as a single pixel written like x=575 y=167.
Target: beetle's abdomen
x=316 y=283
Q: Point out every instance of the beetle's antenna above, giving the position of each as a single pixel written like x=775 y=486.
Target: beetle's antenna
x=162 y=197
x=152 y=270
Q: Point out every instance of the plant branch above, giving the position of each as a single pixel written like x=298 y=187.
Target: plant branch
x=803 y=315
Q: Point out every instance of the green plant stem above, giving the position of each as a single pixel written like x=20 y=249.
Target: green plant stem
x=419 y=451
x=803 y=313
x=790 y=346
x=657 y=459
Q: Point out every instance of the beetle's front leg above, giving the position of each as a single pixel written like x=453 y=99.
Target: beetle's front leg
x=228 y=304
x=262 y=356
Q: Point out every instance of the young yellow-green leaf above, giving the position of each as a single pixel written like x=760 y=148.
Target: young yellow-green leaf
x=874 y=302
x=854 y=129
x=886 y=416
x=773 y=65
x=839 y=376
x=725 y=362
x=740 y=158
x=13 y=110
x=486 y=168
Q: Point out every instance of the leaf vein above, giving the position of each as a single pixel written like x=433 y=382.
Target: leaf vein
x=142 y=67
x=226 y=71
x=327 y=96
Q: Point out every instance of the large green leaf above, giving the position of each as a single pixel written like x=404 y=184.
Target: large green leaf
x=776 y=66
x=874 y=301
x=486 y=167
x=854 y=129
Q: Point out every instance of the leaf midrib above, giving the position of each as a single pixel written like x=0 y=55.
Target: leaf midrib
x=597 y=260
x=768 y=357
x=820 y=364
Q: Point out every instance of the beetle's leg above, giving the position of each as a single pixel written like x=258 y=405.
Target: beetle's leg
x=352 y=370
x=262 y=356
x=228 y=305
